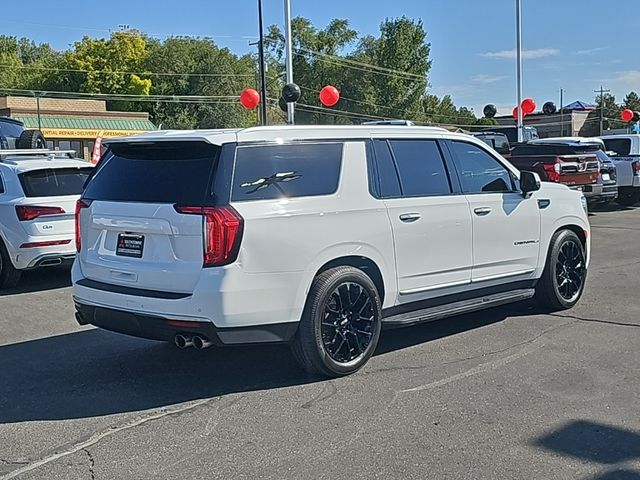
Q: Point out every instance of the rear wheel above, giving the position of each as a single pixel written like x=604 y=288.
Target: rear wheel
x=9 y=275
x=565 y=272
x=341 y=323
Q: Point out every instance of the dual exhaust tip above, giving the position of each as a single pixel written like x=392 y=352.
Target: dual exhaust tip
x=196 y=341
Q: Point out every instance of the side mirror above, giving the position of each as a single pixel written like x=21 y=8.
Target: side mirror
x=529 y=182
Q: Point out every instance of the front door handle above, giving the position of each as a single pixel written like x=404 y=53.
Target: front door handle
x=410 y=217
x=482 y=211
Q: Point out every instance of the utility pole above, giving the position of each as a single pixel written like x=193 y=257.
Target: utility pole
x=519 y=66
x=561 y=112
x=288 y=40
x=602 y=91
x=263 y=68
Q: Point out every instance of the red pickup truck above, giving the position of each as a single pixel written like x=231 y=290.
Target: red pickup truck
x=573 y=165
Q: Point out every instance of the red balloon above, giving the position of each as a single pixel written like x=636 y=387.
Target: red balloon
x=249 y=98
x=627 y=115
x=528 y=106
x=329 y=96
x=515 y=113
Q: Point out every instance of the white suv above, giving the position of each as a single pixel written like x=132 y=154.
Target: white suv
x=317 y=236
x=38 y=194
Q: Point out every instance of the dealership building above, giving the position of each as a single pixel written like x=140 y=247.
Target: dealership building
x=72 y=124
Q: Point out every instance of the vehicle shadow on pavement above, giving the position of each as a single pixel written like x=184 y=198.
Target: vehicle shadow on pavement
x=94 y=372
x=51 y=278
x=598 y=443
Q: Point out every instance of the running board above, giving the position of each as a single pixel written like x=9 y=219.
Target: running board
x=458 y=308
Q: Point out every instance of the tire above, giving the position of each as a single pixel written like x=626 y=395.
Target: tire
x=30 y=139
x=565 y=274
x=628 y=197
x=9 y=275
x=329 y=348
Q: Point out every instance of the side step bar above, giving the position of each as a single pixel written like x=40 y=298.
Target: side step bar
x=458 y=308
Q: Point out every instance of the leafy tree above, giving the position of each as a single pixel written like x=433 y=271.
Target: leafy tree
x=632 y=101
x=110 y=65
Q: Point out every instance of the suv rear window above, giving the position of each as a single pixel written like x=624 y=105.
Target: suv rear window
x=54 y=182
x=274 y=171
x=621 y=146
x=161 y=172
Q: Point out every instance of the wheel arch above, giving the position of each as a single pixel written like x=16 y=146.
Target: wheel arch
x=368 y=266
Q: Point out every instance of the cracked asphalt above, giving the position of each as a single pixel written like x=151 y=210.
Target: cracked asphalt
x=504 y=394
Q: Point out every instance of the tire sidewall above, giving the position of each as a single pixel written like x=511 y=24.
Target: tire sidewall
x=315 y=316
x=559 y=240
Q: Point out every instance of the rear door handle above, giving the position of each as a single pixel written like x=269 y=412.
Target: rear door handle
x=410 y=217
x=482 y=211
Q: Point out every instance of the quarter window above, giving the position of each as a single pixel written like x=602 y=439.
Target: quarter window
x=479 y=172
x=421 y=168
x=281 y=171
x=389 y=182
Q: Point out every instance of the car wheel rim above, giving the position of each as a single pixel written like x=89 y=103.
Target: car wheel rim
x=348 y=323
x=570 y=268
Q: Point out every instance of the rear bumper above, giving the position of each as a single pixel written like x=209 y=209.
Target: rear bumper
x=600 y=192
x=35 y=257
x=164 y=329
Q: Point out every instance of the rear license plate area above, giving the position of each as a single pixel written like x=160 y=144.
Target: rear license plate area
x=130 y=245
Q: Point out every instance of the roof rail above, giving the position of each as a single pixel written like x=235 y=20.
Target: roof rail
x=36 y=152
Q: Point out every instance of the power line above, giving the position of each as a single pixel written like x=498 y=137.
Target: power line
x=363 y=64
x=117 y=72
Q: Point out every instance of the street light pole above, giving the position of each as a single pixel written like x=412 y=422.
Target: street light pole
x=263 y=74
x=519 y=66
x=289 y=60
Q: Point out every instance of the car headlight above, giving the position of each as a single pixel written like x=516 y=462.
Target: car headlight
x=583 y=201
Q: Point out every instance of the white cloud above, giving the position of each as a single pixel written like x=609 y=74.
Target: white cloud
x=526 y=54
x=485 y=79
x=590 y=51
x=629 y=78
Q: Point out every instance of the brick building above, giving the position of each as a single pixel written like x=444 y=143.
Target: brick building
x=71 y=124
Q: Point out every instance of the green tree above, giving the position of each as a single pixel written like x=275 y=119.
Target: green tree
x=112 y=65
x=632 y=102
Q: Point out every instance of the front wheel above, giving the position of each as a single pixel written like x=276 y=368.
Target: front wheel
x=565 y=272
x=341 y=323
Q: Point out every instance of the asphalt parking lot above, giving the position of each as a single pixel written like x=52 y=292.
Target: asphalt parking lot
x=507 y=393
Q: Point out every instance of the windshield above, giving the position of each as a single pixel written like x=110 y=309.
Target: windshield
x=54 y=182
x=162 y=172
x=620 y=147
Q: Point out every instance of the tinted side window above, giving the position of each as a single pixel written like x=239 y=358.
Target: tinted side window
x=387 y=173
x=1 y=184
x=11 y=130
x=276 y=171
x=421 y=168
x=621 y=146
x=479 y=172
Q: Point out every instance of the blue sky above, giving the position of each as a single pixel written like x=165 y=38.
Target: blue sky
x=574 y=44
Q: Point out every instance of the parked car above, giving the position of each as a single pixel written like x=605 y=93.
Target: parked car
x=573 y=165
x=606 y=188
x=498 y=141
x=14 y=135
x=317 y=236
x=528 y=133
x=38 y=194
x=624 y=150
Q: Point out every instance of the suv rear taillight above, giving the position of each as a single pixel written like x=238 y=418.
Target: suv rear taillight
x=80 y=205
x=222 y=233
x=31 y=212
x=553 y=171
x=636 y=167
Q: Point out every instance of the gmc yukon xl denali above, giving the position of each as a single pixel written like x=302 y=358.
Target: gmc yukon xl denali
x=316 y=236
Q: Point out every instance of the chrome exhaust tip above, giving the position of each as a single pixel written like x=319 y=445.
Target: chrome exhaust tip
x=183 y=341
x=200 y=343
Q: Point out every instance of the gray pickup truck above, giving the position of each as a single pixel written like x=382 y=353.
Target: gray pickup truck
x=624 y=151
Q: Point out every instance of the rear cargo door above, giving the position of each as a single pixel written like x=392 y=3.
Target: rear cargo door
x=131 y=232
x=50 y=199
